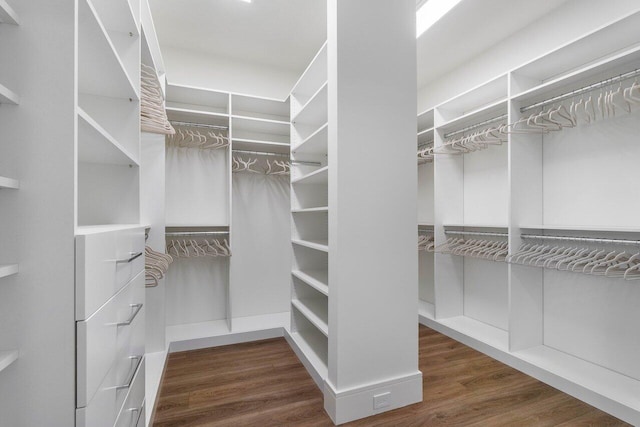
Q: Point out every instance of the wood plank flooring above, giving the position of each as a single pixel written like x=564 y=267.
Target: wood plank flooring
x=263 y=384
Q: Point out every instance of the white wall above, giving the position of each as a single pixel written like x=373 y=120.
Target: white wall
x=563 y=25
x=196 y=69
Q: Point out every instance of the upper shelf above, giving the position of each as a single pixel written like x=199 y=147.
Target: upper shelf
x=197 y=99
x=315 y=111
x=259 y=145
x=425 y=120
x=187 y=113
x=486 y=112
x=96 y=145
x=100 y=69
x=312 y=78
x=473 y=100
x=260 y=108
x=7 y=14
x=7 y=96
x=117 y=15
x=258 y=125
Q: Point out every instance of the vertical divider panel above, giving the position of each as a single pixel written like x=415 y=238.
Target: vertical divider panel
x=525 y=207
x=448 y=178
x=230 y=199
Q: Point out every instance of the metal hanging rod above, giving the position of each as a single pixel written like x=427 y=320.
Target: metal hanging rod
x=198 y=125
x=582 y=239
x=194 y=233
x=428 y=144
x=476 y=233
x=283 y=155
x=477 y=125
x=583 y=90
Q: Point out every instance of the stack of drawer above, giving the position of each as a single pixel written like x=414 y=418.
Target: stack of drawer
x=110 y=327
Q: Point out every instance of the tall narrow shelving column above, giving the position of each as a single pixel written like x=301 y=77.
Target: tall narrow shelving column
x=356 y=332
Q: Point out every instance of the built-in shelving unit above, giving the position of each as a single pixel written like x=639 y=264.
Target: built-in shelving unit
x=310 y=210
x=570 y=330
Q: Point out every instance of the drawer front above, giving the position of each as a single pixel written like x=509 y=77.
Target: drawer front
x=105 y=262
x=133 y=407
x=106 y=336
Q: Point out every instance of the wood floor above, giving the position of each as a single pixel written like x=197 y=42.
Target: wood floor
x=263 y=384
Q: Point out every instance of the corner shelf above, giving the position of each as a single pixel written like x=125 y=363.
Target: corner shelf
x=316 y=143
x=315 y=110
x=7 y=96
x=8 y=270
x=7 y=14
x=319 y=245
x=315 y=310
x=9 y=183
x=317 y=279
x=96 y=145
x=320 y=176
x=7 y=358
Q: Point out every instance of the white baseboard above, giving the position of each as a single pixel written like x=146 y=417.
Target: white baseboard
x=356 y=403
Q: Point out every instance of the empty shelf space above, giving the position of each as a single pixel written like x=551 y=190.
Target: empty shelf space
x=316 y=312
x=320 y=245
x=8 y=269
x=320 y=176
x=7 y=96
x=426 y=131
x=263 y=108
x=479 y=331
x=314 y=350
x=316 y=143
x=309 y=210
x=487 y=112
x=317 y=279
x=101 y=71
x=315 y=111
x=260 y=145
x=7 y=14
x=7 y=358
x=96 y=145
x=10 y=183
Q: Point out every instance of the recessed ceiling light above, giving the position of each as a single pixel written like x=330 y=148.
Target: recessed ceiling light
x=431 y=12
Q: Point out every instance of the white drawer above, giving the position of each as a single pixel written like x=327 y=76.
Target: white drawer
x=104 y=411
x=104 y=338
x=105 y=262
x=133 y=407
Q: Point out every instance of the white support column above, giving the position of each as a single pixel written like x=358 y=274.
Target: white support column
x=373 y=270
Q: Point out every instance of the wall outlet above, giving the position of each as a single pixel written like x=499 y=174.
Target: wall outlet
x=382 y=400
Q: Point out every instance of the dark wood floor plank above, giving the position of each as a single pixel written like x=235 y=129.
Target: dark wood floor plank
x=263 y=384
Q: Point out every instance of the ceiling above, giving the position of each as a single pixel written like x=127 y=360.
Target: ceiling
x=287 y=33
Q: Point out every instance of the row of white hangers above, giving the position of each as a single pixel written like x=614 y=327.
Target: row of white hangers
x=271 y=167
x=426 y=154
x=202 y=247
x=594 y=107
x=193 y=138
x=156 y=265
x=426 y=243
x=494 y=250
x=599 y=262
x=153 y=116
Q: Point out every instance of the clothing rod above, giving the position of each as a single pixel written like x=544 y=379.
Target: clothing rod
x=477 y=125
x=428 y=144
x=284 y=155
x=194 y=233
x=582 y=239
x=198 y=125
x=583 y=90
x=476 y=233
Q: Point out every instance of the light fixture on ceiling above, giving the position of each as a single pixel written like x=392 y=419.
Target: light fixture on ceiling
x=430 y=12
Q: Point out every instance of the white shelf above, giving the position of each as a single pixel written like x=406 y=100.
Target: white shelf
x=315 y=111
x=317 y=279
x=260 y=125
x=8 y=269
x=7 y=96
x=7 y=14
x=315 y=310
x=313 y=76
x=425 y=119
x=100 y=69
x=319 y=245
x=621 y=229
x=617 y=387
x=316 y=143
x=96 y=145
x=309 y=210
x=320 y=176
x=314 y=351
x=117 y=15
x=197 y=98
x=9 y=183
x=259 y=107
x=479 y=331
x=471 y=225
x=486 y=112
x=260 y=145
x=483 y=94
x=95 y=229
x=185 y=113
x=426 y=131
x=7 y=358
